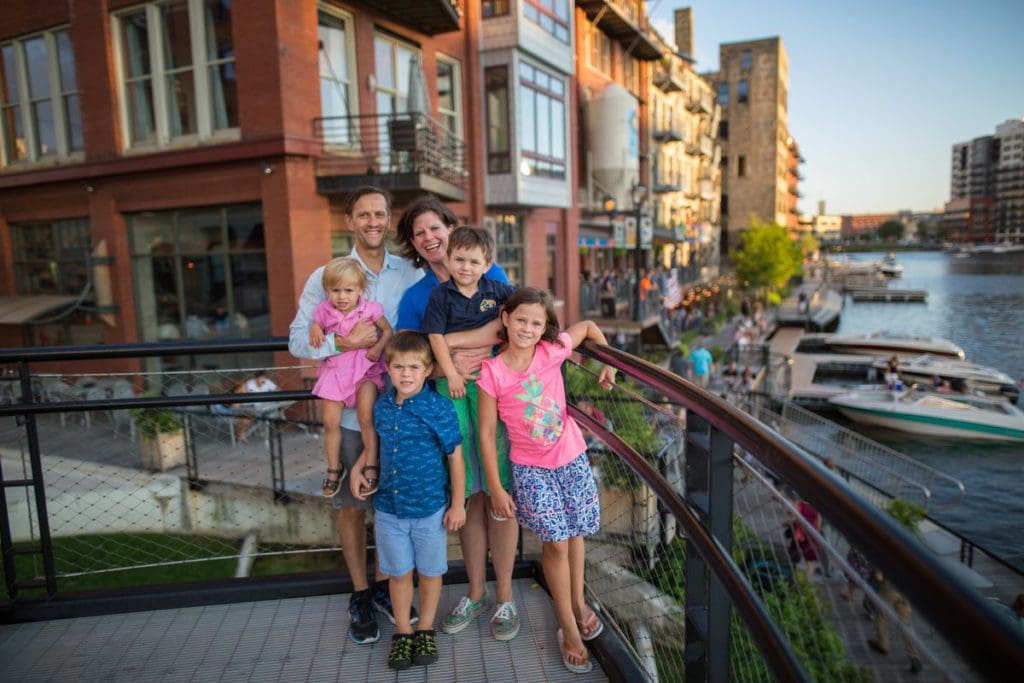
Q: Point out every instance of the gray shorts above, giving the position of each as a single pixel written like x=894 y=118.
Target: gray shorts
x=351 y=448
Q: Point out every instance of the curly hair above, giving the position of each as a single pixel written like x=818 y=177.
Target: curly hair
x=344 y=269
x=533 y=295
x=428 y=203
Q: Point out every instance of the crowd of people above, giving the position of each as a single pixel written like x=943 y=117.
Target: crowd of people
x=434 y=430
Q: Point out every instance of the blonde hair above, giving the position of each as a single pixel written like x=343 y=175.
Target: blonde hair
x=344 y=269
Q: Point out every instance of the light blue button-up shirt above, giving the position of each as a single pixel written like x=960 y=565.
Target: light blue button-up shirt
x=396 y=276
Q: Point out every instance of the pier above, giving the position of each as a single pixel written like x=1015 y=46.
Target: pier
x=886 y=295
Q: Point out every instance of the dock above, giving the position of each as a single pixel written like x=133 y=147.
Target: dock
x=819 y=309
x=885 y=295
x=803 y=389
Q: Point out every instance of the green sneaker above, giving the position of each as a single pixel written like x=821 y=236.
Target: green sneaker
x=424 y=647
x=400 y=656
x=505 y=622
x=463 y=613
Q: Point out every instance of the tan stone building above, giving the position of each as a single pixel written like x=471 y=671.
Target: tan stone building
x=759 y=156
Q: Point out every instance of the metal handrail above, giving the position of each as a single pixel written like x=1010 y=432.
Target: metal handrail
x=979 y=632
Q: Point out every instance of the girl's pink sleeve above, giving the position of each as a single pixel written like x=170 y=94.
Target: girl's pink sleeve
x=487 y=381
x=322 y=314
x=375 y=310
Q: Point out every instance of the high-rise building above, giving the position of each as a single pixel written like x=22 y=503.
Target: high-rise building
x=759 y=157
x=987 y=187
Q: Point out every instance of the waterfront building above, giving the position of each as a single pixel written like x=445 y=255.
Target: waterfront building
x=864 y=225
x=760 y=180
x=987 y=187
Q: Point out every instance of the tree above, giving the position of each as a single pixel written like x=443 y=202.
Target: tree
x=768 y=257
x=808 y=244
x=891 y=230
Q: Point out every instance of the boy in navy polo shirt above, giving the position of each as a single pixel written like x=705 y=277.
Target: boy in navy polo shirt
x=418 y=429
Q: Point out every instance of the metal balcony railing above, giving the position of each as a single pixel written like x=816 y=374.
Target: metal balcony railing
x=407 y=151
x=689 y=569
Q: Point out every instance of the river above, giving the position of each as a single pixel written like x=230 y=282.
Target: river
x=979 y=304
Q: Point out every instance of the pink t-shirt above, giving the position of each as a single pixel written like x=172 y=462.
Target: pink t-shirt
x=532 y=406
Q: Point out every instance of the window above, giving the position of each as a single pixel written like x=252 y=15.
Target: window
x=724 y=209
x=550 y=15
x=742 y=90
x=542 y=115
x=337 y=96
x=724 y=162
x=632 y=68
x=499 y=158
x=723 y=130
x=200 y=274
x=741 y=166
x=600 y=50
x=177 y=71
x=746 y=60
x=553 y=280
x=449 y=89
x=39 y=112
x=393 y=67
x=494 y=8
x=51 y=258
x=509 y=238
x=723 y=93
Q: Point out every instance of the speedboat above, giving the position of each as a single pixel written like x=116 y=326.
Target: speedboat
x=926 y=368
x=955 y=416
x=889 y=344
x=889 y=268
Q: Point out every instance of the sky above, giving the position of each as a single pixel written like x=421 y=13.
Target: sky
x=878 y=91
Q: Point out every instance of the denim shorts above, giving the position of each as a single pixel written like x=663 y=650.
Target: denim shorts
x=420 y=543
x=557 y=504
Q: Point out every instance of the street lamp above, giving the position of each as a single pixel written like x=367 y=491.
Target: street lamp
x=638 y=194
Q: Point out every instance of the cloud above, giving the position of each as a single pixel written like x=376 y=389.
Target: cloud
x=667 y=29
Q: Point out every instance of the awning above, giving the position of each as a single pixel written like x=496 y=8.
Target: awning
x=21 y=309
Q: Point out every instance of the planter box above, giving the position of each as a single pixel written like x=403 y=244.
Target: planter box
x=164 y=451
x=630 y=514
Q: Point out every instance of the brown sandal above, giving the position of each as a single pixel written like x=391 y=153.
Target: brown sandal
x=332 y=486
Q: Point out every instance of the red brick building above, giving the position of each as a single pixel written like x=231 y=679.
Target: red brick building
x=209 y=145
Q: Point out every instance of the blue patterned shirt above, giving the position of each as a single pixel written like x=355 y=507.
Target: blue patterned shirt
x=415 y=439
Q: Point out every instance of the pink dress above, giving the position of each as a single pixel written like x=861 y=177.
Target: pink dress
x=339 y=376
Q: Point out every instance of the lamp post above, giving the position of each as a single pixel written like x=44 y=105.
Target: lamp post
x=638 y=194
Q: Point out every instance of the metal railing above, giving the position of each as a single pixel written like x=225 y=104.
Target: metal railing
x=688 y=567
x=390 y=144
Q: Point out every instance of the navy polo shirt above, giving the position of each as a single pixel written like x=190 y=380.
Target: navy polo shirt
x=449 y=310
x=416 y=438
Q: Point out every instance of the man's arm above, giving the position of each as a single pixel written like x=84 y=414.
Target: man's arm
x=298 y=332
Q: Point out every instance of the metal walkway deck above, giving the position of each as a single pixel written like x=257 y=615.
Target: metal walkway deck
x=298 y=639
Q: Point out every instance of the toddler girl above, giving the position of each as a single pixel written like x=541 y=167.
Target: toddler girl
x=352 y=378
x=553 y=489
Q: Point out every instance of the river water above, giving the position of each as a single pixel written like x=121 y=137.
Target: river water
x=978 y=303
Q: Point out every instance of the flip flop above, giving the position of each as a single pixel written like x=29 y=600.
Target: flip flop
x=331 y=487
x=584 y=668
x=371 y=482
x=591 y=627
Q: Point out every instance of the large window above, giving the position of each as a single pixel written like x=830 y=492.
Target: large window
x=39 y=112
x=723 y=93
x=393 y=63
x=511 y=254
x=542 y=117
x=336 y=67
x=449 y=90
x=177 y=71
x=600 y=50
x=200 y=273
x=743 y=90
x=499 y=151
x=746 y=60
x=550 y=15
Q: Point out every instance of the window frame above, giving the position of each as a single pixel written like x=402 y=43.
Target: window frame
x=351 y=89
x=722 y=91
x=743 y=91
x=24 y=103
x=538 y=91
x=552 y=14
x=508 y=225
x=489 y=9
x=498 y=84
x=157 y=77
x=456 y=83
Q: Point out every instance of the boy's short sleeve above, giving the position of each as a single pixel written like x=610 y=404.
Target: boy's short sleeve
x=446 y=426
x=435 y=318
x=504 y=290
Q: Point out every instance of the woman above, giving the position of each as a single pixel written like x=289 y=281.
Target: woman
x=423 y=233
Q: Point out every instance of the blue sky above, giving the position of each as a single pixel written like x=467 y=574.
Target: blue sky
x=879 y=91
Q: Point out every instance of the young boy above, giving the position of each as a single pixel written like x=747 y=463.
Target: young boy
x=417 y=429
x=469 y=300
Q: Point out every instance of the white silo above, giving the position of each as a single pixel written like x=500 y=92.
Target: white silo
x=613 y=132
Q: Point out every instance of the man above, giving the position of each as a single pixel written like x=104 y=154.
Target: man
x=368 y=216
x=700 y=362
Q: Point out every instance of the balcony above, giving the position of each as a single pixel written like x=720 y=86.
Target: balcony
x=669 y=77
x=406 y=154
x=665 y=186
x=707 y=190
x=700 y=101
x=426 y=16
x=707 y=147
x=667 y=132
x=622 y=21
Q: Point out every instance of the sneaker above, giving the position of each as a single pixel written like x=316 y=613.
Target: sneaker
x=424 y=647
x=382 y=603
x=363 y=627
x=400 y=656
x=464 y=612
x=505 y=622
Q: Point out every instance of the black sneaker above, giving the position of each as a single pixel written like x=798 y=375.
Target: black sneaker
x=382 y=603
x=424 y=647
x=363 y=628
x=400 y=656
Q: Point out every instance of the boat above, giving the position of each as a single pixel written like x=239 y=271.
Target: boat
x=958 y=416
x=889 y=344
x=889 y=268
x=926 y=368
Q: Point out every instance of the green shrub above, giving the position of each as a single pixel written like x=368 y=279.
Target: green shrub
x=153 y=421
